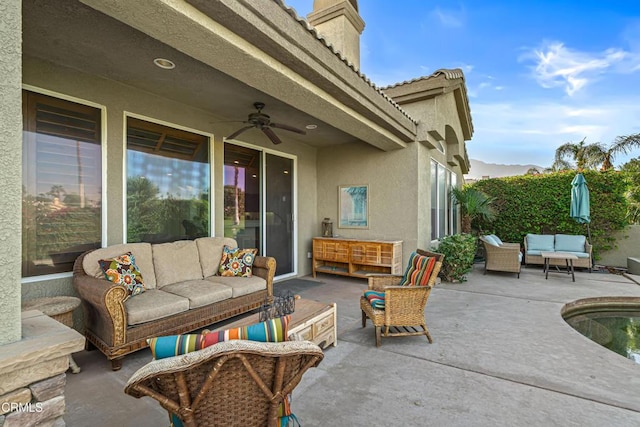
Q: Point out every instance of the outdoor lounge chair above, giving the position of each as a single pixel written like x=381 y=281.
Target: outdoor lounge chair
x=501 y=256
x=232 y=383
x=403 y=313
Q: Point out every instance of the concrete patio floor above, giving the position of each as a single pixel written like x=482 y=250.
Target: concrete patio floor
x=502 y=356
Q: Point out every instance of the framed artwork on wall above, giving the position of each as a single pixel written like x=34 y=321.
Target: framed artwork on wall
x=353 y=206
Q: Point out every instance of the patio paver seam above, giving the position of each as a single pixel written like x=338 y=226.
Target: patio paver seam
x=503 y=296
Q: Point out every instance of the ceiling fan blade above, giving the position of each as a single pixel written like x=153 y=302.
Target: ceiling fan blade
x=287 y=127
x=272 y=136
x=239 y=131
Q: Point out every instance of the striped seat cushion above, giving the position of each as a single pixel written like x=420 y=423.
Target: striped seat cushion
x=376 y=299
x=418 y=271
x=274 y=330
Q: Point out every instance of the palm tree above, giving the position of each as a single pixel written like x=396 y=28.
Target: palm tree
x=473 y=204
x=585 y=155
x=532 y=171
x=621 y=145
x=559 y=165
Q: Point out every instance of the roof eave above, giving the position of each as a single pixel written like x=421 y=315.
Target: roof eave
x=279 y=32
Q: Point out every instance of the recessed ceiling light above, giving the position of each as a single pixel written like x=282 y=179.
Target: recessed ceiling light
x=311 y=127
x=164 y=63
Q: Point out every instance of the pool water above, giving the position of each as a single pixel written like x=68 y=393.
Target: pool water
x=619 y=331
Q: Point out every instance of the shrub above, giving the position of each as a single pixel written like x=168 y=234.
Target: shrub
x=540 y=204
x=459 y=251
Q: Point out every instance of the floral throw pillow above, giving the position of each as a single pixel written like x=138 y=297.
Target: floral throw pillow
x=122 y=270
x=237 y=262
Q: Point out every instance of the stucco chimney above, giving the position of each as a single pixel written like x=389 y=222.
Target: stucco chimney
x=339 y=22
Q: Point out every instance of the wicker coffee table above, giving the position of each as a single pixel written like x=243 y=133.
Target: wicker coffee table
x=567 y=257
x=312 y=321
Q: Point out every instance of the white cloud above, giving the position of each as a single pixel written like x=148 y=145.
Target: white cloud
x=530 y=132
x=467 y=68
x=474 y=91
x=559 y=66
x=449 y=18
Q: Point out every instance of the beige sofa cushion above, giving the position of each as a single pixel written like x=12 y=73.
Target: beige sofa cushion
x=240 y=285
x=200 y=292
x=153 y=305
x=210 y=251
x=176 y=262
x=141 y=252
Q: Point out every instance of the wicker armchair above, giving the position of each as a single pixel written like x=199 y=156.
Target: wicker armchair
x=233 y=383
x=403 y=314
x=506 y=257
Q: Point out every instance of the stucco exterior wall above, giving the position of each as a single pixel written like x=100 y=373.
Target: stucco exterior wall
x=118 y=99
x=440 y=115
x=628 y=245
x=394 y=190
x=10 y=170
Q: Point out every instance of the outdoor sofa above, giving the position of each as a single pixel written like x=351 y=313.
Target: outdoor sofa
x=535 y=244
x=183 y=293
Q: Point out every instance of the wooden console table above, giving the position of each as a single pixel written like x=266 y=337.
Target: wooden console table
x=356 y=258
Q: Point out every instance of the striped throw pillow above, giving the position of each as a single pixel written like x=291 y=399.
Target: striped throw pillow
x=274 y=330
x=418 y=270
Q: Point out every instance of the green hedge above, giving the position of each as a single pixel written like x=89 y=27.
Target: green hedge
x=541 y=203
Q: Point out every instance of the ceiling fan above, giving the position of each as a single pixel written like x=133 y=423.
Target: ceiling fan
x=263 y=122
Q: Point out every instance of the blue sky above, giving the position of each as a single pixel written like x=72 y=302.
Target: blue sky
x=538 y=73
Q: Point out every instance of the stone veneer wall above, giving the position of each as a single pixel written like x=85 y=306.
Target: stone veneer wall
x=40 y=403
x=32 y=372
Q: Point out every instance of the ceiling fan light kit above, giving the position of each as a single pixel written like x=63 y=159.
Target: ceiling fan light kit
x=263 y=122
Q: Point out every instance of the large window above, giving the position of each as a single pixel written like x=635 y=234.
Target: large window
x=168 y=183
x=444 y=213
x=61 y=183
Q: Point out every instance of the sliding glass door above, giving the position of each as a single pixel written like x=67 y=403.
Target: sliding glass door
x=279 y=212
x=258 y=203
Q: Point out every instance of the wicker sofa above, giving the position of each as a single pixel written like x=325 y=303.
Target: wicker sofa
x=183 y=293
x=577 y=245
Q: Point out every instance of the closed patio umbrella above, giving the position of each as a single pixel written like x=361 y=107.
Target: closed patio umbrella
x=580 y=207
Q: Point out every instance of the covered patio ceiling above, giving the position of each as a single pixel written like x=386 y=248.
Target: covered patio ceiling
x=220 y=72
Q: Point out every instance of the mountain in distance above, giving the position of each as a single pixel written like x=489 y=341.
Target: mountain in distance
x=480 y=169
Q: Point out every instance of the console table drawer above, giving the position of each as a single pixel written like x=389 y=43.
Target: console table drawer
x=326 y=339
x=322 y=325
x=319 y=327
x=306 y=333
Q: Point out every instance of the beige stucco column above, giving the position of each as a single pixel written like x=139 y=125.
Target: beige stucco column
x=10 y=169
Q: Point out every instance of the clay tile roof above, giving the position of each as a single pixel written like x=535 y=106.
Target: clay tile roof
x=449 y=74
x=292 y=12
